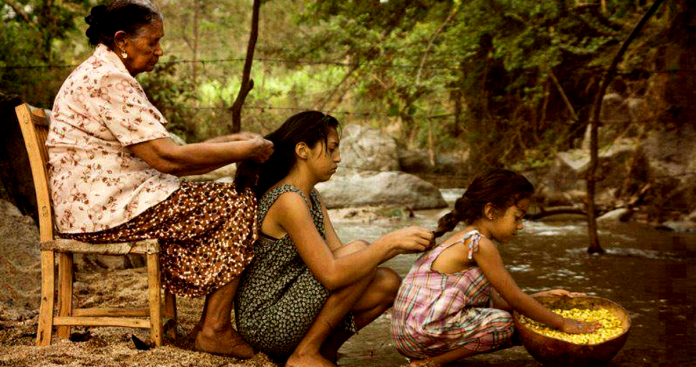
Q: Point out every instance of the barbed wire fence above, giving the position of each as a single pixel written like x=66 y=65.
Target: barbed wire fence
x=223 y=109
x=287 y=61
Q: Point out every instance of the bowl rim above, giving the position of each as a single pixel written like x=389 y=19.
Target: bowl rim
x=518 y=324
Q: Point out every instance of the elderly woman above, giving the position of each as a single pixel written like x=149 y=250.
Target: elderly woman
x=113 y=172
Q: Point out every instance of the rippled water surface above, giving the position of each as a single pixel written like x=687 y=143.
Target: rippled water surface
x=651 y=273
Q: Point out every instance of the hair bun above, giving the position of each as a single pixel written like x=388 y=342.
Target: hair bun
x=96 y=15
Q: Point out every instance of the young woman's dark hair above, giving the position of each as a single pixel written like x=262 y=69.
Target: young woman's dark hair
x=119 y=15
x=500 y=187
x=309 y=127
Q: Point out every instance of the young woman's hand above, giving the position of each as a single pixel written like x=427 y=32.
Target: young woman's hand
x=559 y=292
x=411 y=239
x=572 y=326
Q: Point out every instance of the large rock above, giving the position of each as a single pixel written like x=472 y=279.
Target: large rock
x=418 y=161
x=351 y=188
x=656 y=173
x=415 y=161
x=367 y=149
x=619 y=117
x=565 y=183
x=672 y=153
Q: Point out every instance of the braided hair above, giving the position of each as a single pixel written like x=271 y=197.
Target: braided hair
x=500 y=187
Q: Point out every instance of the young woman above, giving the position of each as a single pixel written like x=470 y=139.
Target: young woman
x=305 y=292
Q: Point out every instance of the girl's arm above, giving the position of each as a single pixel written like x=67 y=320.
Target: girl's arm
x=499 y=302
x=169 y=157
x=290 y=212
x=489 y=260
x=338 y=247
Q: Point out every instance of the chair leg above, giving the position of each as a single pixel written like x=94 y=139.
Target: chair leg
x=170 y=313
x=43 y=335
x=65 y=291
x=154 y=285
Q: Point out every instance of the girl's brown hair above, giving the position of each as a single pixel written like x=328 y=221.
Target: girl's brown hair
x=500 y=187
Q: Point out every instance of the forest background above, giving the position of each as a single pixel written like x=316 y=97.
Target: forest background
x=502 y=82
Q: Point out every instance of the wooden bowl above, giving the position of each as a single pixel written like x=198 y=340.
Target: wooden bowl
x=554 y=352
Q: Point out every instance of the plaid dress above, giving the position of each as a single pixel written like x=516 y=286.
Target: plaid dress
x=435 y=313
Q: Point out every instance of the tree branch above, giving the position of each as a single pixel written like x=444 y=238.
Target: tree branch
x=22 y=14
x=431 y=42
x=326 y=100
x=594 y=126
x=247 y=84
x=369 y=55
x=569 y=105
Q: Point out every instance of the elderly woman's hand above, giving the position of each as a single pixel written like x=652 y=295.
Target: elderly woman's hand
x=262 y=149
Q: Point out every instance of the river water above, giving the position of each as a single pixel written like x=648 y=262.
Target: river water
x=649 y=272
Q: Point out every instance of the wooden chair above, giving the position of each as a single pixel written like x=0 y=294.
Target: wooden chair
x=34 y=124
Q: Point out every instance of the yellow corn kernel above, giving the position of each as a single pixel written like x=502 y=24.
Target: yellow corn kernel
x=610 y=326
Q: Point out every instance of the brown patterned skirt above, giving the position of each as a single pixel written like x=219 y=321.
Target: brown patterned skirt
x=206 y=231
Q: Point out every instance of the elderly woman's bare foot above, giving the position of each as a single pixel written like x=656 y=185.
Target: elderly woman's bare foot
x=194 y=333
x=226 y=342
x=308 y=360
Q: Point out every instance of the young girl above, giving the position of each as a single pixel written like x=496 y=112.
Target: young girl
x=305 y=292
x=456 y=300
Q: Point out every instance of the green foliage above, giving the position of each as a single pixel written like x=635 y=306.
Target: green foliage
x=171 y=96
x=41 y=35
x=497 y=54
x=474 y=75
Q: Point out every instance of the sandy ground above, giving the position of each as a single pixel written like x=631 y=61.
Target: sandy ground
x=19 y=301
x=20 y=276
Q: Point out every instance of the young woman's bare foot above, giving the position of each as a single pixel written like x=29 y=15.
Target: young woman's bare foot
x=308 y=360
x=226 y=342
x=428 y=362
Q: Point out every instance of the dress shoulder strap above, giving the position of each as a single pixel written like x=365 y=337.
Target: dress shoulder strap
x=270 y=197
x=473 y=244
x=313 y=204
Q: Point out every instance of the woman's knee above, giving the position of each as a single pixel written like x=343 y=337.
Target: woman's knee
x=387 y=281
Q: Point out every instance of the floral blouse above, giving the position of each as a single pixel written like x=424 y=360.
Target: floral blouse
x=96 y=182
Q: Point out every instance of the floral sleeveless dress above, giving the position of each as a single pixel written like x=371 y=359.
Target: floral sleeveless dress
x=435 y=313
x=278 y=297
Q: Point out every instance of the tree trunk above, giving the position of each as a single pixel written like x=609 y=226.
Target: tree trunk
x=194 y=64
x=457 y=101
x=476 y=100
x=247 y=84
x=47 y=25
x=594 y=122
x=431 y=143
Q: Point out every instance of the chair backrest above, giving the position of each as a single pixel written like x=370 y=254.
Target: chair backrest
x=34 y=124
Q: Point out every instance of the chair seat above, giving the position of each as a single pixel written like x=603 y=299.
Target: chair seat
x=77 y=247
